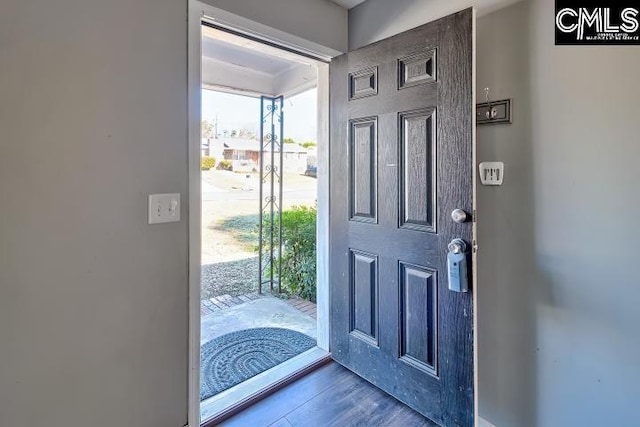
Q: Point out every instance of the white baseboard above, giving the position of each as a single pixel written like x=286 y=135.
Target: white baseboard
x=484 y=423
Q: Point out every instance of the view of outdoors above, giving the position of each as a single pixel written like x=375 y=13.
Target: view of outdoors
x=230 y=196
x=245 y=332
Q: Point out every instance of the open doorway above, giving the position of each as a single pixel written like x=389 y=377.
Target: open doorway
x=261 y=234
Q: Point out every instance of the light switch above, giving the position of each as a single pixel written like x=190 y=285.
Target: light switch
x=164 y=208
x=491 y=173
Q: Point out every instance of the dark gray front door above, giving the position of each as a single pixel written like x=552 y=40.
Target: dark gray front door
x=401 y=162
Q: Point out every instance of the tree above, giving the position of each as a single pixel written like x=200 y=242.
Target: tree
x=288 y=141
x=308 y=144
x=246 y=134
x=234 y=133
x=207 y=129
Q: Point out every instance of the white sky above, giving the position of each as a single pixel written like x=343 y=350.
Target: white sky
x=238 y=111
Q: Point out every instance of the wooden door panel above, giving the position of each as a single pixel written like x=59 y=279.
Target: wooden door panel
x=418 y=317
x=417 y=170
x=363 y=83
x=417 y=69
x=401 y=162
x=363 y=296
x=363 y=169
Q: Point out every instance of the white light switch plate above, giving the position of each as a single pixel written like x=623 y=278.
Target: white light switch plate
x=164 y=208
x=491 y=173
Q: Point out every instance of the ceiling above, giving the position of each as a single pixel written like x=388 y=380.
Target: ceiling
x=247 y=53
x=240 y=65
x=240 y=56
x=348 y=4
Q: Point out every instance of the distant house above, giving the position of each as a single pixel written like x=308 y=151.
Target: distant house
x=245 y=155
x=212 y=147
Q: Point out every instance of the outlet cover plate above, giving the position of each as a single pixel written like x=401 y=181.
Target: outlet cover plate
x=164 y=208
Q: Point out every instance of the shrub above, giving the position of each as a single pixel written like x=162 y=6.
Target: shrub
x=299 y=251
x=225 y=165
x=207 y=162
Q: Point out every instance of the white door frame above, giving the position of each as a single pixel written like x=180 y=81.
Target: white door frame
x=197 y=11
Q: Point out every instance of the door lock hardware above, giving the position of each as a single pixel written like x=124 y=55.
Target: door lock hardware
x=459 y=216
x=457 y=266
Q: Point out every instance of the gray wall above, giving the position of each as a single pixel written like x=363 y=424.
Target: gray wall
x=93 y=118
x=320 y=21
x=93 y=301
x=558 y=281
x=558 y=304
x=375 y=20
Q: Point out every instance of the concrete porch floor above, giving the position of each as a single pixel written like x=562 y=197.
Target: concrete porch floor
x=263 y=311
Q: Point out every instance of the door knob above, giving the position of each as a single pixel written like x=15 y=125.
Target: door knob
x=459 y=216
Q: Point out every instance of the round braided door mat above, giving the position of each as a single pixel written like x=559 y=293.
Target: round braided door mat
x=230 y=359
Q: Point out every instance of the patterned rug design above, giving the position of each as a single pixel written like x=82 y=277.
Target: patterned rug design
x=235 y=357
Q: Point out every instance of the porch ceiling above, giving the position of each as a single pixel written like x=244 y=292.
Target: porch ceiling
x=237 y=64
x=240 y=56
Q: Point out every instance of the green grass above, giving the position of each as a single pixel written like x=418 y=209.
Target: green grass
x=244 y=228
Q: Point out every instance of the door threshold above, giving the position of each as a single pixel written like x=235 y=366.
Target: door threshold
x=226 y=404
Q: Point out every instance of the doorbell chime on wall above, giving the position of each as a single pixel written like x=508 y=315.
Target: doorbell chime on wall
x=491 y=173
